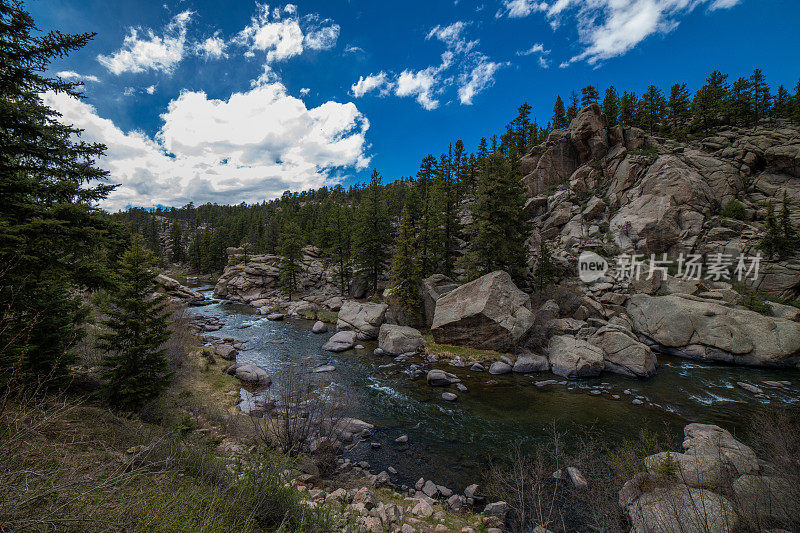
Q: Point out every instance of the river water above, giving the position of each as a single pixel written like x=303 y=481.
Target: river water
x=450 y=443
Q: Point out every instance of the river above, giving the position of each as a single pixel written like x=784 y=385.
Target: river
x=450 y=443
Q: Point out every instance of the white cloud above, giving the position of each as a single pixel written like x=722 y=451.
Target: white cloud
x=539 y=49
x=150 y=90
x=521 y=8
x=249 y=147
x=212 y=48
x=461 y=64
x=452 y=36
x=374 y=82
x=323 y=38
x=277 y=32
x=71 y=75
x=610 y=28
x=150 y=51
x=420 y=84
x=304 y=91
x=479 y=78
x=352 y=49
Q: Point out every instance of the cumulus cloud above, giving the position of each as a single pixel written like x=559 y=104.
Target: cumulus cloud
x=479 y=78
x=304 y=91
x=248 y=147
x=144 y=50
x=275 y=31
x=374 y=82
x=610 y=28
x=71 y=75
x=461 y=65
x=323 y=36
x=212 y=47
x=352 y=49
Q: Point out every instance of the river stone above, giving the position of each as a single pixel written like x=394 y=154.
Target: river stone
x=574 y=358
x=347 y=428
x=623 y=353
x=489 y=313
x=430 y=489
x=449 y=396
x=226 y=351
x=275 y=316
x=477 y=367
x=341 y=341
x=531 y=363
x=422 y=509
x=499 y=367
x=250 y=374
x=440 y=378
x=324 y=368
x=319 y=327
x=396 y=340
x=698 y=329
x=750 y=388
x=682 y=508
x=364 y=318
x=711 y=458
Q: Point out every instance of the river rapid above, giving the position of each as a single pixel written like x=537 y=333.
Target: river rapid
x=451 y=443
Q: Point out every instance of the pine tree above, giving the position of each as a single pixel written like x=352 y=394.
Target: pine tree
x=678 y=108
x=372 y=231
x=137 y=329
x=572 y=110
x=522 y=127
x=740 y=101
x=709 y=102
x=425 y=177
x=627 y=108
x=545 y=268
x=499 y=227
x=290 y=245
x=589 y=95
x=771 y=241
x=176 y=242
x=760 y=95
x=788 y=233
x=338 y=242
x=782 y=104
x=405 y=276
x=652 y=106
x=51 y=236
x=611 y=106
x=559 y=117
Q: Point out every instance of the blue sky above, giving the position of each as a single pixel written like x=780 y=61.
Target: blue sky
x=202 y=100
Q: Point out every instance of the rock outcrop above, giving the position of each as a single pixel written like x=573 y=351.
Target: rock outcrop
x=396 y=340
x=363 y=318
x=488 y=313
x=691 y=327
x=254 y=279
x=574 y=358
x=180 y=293
x=433 y=288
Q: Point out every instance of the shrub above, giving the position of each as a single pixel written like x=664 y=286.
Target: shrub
x=733 y=209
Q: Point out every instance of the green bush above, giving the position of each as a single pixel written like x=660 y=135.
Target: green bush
x=734 y=209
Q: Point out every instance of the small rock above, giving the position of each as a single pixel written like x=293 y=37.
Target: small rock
x=319 y=327
x=401 y=439
x=477 y=367
x=275 y=316
x=449 y=396
x=500 y=367
x=375 y=445
x=750 y=388
x=577 y=478
x=324 y=368
x=637 y=401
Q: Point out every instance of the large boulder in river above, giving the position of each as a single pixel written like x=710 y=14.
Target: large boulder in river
x=574 y=358
x=396 y=340
x=689 y=326
x=433 y=288
x=623 y=353
x=341 y=341
x=489 y=313
x=180 y=292
x=249 y=374
x=364 y=318
x=440 y=378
